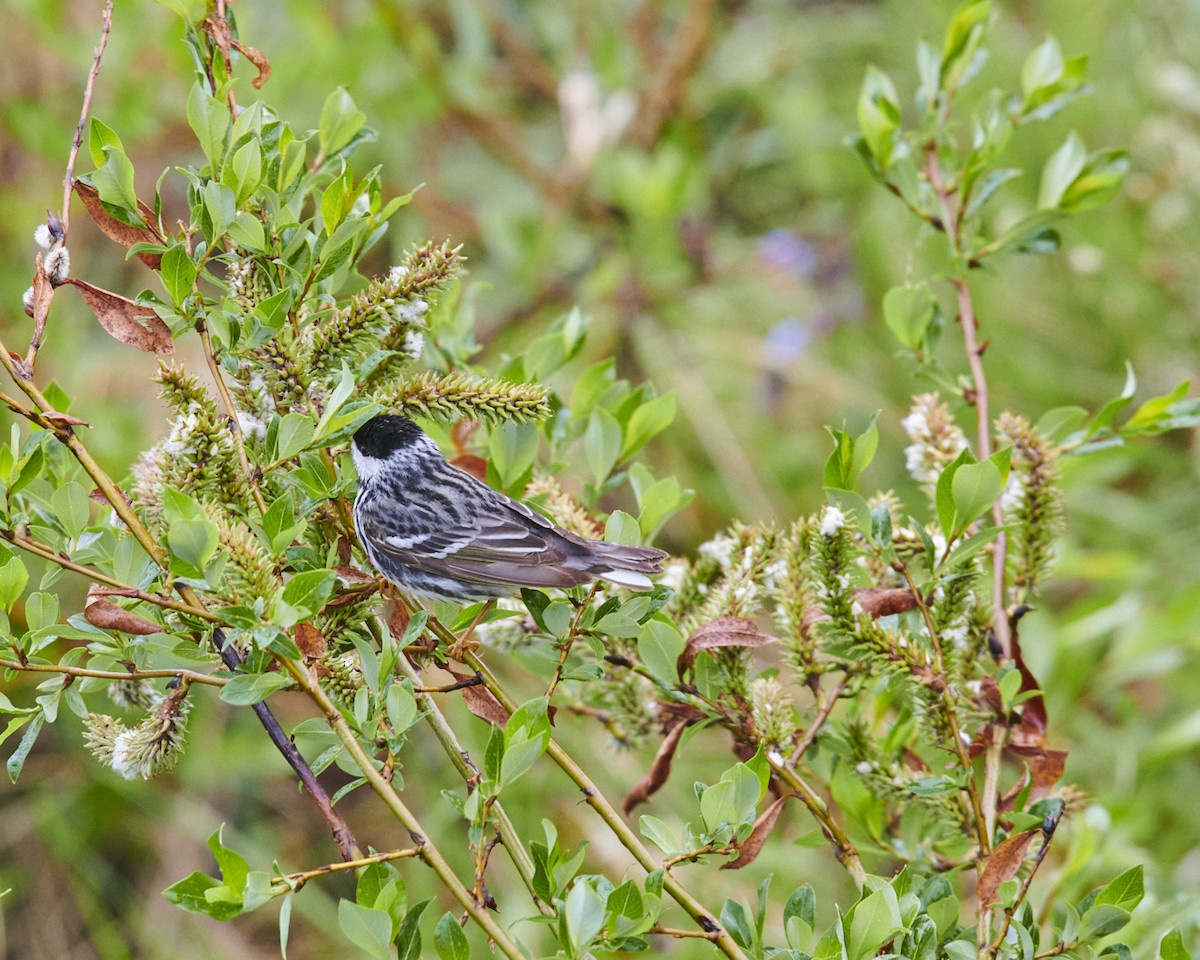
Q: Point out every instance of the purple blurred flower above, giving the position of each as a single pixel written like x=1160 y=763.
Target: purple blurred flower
x=784 y=249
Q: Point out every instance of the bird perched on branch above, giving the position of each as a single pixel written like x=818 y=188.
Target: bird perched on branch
x=435 y=530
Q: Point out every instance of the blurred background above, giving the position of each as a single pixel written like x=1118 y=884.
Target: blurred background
x=675 y=168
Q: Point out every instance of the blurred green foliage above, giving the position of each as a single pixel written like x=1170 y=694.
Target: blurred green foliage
x=729 y=247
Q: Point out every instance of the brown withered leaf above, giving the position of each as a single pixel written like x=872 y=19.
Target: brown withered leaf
x=721 y=632
x=353 y=575
x=98 y=496
x=749 y=849
x=1003 y=864
x=55 y=417
x=875 y=601
x=256 y=57
x=125 y=320
x=659 y=771
x=310 y=640
x=123 y=233
x=472 y=464
x=101 y=612
x=43 y=290
x=479 y=701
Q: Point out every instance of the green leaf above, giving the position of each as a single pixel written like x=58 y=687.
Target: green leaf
x=964 y=32
x=1101 y=919
x=209 y=120
x=192 y=893
x=512 y=448
x=1098 y=182
x=908 y=311
x=872 y=921
x=1058 y=424
x=101 y=135
x=659 y=834
x=878 y=115
x=193 y=541
x=368 y=929
x=974 y=488
x=943 y=495
x=1042 y=67
x=114 y=183
x=243 y=174
x=72 y=508
x=304 y=595
x=178 y=273
x=246 y=230
x=1104 y=417
x=401 y=707
x=601 y=444
x=1061 y=170
x=732 y=799
x=622 y=528
x=449 y=940
x=658 y=648
x=250 y=688
x=1171 y=946
x=17 y=761
x=340 y=121
x=583 y=915
x=1124 y=891
x=296 y=432
x=221 y=207
x=651 y=418
x=13 y=579
x=850 y=458
x=408 y=939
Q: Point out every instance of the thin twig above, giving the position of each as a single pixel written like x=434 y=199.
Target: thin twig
x=342 y=834
x=392 y=800
x=843 y=849
x=948 y=697
x=77 y=141
x=1048 y=829
x=682 y=934
x=46 y=552
x=569 y=640
x=818 y=721
x=295 y=881
x=608 y=813
x=130 y=674
x=235 y=426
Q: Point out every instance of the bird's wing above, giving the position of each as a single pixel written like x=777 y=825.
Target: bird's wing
x=499 y=541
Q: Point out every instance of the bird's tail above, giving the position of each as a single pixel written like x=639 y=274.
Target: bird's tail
x=627 y=566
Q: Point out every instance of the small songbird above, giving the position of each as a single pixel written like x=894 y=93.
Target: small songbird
x=437 y=531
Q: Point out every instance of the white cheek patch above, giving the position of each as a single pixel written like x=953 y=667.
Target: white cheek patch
x=369 y=468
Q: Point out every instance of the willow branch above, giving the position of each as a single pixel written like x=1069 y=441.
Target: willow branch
x=235 y=426
x=948 y=698
x=294 y=881
x=843 y=849
x=608 y=813
x=429 y=852
x=77 y=140
x=131 y=674
x=45 y=552
x=461 y=761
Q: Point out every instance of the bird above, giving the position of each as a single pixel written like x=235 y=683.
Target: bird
x=435 y=530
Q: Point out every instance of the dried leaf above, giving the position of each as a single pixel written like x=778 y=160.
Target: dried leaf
x=256 y=57
x=101 y=612
x=474 y=465
x=875 y=601
x=749 y=849
x=127 y=321
x=310 y=640
x=885 y=601
x=43 y=290
x=479 y=701
x=98 y=496
x=1003 y=864
x=66 y=418
x=721 y=632
x=353 y=575
x=123 y=233
x=659 y=771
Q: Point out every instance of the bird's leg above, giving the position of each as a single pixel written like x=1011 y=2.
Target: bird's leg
x=465 y=643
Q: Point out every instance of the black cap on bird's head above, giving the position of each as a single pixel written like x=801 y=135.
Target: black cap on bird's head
x=383 y=435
